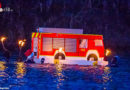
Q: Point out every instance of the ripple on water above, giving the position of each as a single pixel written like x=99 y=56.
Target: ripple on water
x=49 y=76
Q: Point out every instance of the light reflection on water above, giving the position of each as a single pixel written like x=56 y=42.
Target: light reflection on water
x=37 y=76
x=2 y=66
x=20 y=70
x=2 y=69
x=59 y=75
x=106 y=77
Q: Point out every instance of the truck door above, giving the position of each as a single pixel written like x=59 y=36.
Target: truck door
x=35 y=47
x=83 y=45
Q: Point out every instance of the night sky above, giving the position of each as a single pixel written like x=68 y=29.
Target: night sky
x=110 y=18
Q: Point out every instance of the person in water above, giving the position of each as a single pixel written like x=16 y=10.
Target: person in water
x=115 y=61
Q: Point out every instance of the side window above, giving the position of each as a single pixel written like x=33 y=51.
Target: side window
x=47 y=44
x=83 y=43
x=98 y=42
x=58 y=43
x=70 y=45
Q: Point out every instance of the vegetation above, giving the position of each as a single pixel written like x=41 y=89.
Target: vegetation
x=108 y=17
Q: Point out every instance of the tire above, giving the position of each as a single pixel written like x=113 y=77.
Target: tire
x=92 y=57
x=60 y=56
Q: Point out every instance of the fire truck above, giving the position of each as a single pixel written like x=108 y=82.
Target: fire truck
x=67 y=46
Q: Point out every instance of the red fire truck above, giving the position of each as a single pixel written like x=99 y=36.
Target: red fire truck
x=66 y=48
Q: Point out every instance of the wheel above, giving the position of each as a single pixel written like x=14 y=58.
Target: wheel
x=92 y=57
x=60 y=56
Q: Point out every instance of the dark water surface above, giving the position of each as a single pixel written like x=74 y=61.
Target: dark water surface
x=20 y=76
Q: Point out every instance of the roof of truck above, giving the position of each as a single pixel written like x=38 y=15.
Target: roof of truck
x=92 y=36
x=60 y=30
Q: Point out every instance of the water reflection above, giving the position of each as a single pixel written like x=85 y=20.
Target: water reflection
x=20 y=70
x=59 y=75
x=106 y=77
x=2 y=66
x=2 y=69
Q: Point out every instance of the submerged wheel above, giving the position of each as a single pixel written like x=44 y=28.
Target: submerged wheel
x=60 y=56
x=92 y=57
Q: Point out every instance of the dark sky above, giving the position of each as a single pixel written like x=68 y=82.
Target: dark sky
x=110 y=18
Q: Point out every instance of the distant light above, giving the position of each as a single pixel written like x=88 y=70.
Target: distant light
x=24 y=40
x=108 y=52
x=1 y=9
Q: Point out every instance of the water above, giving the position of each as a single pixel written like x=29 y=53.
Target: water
x=20 y=76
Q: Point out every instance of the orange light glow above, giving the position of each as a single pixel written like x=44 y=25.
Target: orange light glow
x=3 y=39
x=24 y=40
x=2 y=66
x=59 y=74
x=21 y=43
x=60 y=49
x=108 y=52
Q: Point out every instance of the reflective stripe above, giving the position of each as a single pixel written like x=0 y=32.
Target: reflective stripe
x=33 y=35
x=37 y=34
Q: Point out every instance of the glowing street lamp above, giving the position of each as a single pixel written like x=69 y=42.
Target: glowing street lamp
x=21 y=44
x=108 y=52
x=2 y=41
